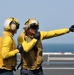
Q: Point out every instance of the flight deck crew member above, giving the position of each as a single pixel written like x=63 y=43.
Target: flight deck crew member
x=30 y=45
x=8 y=49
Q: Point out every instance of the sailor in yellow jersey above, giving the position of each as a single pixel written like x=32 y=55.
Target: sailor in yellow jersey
x=8 y=48
x=30 y=45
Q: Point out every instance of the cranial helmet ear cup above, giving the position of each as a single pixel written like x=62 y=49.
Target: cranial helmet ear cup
x=13 y=27
x=11 y=24
x=6 y=24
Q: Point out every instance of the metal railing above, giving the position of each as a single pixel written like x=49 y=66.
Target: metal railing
x=58 y=57
x=55 y=57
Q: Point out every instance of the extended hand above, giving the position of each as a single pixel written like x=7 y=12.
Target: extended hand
x=71 y=28
x=20 y=48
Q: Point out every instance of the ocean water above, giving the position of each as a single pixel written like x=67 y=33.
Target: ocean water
x=58 y=47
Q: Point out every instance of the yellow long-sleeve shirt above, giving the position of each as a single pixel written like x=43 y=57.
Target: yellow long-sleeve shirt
x=8 y=51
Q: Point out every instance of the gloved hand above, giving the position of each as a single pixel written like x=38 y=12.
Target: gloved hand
x=71 y=28
x=37 y=35
x=20 y=48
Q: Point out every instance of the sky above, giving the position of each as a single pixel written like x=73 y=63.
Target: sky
x=51 y=14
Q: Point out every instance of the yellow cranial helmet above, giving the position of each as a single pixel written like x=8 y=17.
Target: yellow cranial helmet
x=32 y=23
x=11 y=24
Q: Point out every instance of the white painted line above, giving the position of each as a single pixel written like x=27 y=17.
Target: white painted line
x=59 y=68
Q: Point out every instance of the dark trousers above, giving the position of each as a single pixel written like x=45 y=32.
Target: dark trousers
x=6 y=72
x=32 y=72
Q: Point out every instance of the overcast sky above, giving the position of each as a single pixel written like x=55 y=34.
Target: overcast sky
x=51 y=14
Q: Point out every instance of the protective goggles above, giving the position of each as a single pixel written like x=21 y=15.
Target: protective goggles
x=34 y=26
